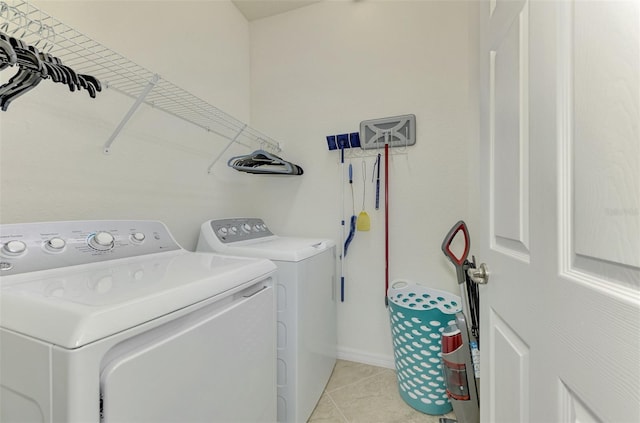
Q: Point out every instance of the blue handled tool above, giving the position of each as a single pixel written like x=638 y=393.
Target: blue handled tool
x=342 y=141
x=342 y=228
x=352 y=229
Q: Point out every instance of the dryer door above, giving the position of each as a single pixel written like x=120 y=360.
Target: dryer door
x=215 y=364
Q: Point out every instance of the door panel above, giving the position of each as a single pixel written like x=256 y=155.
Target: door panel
x=606 y=118
x=599 y=142
x=510 y=359
x=560 y=118
x=573 y=409
x=509 y=140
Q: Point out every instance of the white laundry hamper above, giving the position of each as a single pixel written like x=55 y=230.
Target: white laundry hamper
x=418 y=316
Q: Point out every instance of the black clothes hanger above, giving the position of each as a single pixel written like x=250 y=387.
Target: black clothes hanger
x=33 y=67
x=30 y=72
x=263 y=162
x=8 y=55
x=90 y=84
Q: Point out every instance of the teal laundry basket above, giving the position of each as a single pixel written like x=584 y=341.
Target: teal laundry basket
x=418 y=316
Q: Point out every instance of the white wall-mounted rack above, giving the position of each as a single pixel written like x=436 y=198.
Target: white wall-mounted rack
x=22 y=20
x=354 y=153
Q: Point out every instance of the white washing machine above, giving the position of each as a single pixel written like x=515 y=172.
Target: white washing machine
x=111 y=321
x=306 y=305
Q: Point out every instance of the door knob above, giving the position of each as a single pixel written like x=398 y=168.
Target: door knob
x=479 y=275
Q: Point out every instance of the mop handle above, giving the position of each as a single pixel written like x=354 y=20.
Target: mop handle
x=386 y=223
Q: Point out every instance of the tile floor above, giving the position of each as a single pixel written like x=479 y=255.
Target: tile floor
x=361 y=393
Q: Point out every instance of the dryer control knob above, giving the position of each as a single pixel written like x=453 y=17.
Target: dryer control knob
x=101 y=241
x=14 y=248
x=55 y=245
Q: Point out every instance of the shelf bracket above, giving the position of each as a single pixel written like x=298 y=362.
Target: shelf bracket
x=132 y=110
x=224 y=150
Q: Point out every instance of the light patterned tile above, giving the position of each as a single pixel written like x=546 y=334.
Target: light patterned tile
x=349 y=372
x=376 y=400
x=361 y=393
x=326 y=412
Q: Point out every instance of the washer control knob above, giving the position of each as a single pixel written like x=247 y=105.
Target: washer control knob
x=101 y=241
x=246 y=228
x=55 y=245
x=14 y=248
x=138 y=237
x=233 y=230
x=223 y=231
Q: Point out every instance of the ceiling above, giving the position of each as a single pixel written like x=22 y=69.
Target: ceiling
x=257 y=9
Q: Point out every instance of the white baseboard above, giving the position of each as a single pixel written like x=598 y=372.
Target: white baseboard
x=359 y=356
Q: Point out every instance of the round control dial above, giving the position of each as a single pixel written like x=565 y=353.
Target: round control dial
x=55 y=245
x=14 y=248
x=246 y=228
x=101 y=241
x=138 y=237
x=223 y=231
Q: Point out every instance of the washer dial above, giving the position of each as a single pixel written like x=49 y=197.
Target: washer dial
x=55 y=245
x=101 y=241
x=14 y=248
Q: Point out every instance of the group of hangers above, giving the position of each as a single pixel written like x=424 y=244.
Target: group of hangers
x=35 y=63
x=33 y=66
x=263 y=162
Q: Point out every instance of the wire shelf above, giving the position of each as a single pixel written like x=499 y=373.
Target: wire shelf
x=22 y=20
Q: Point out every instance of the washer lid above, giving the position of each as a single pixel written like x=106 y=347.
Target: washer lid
x=76 y=305
x=278 y=248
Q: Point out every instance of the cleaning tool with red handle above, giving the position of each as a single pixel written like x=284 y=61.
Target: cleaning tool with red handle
x=386 y=223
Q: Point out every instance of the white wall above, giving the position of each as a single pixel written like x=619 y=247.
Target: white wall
x=322 y=69
x=312 y=72
x=52 y=166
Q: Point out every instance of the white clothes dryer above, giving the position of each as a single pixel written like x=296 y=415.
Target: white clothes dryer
x=306 y=305
x=111 y=321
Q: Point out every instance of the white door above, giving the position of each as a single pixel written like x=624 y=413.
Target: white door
x=560 y=177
